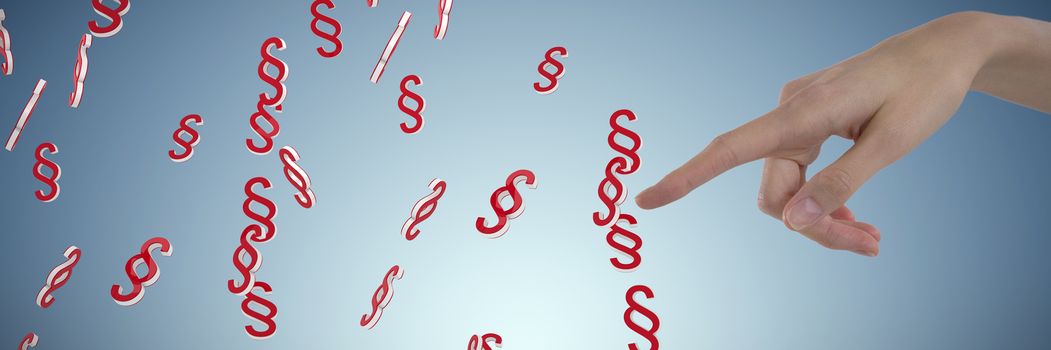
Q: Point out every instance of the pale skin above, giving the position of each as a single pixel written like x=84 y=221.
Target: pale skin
x=888 y=100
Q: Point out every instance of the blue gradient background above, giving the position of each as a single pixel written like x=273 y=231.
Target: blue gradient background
x=964 y=255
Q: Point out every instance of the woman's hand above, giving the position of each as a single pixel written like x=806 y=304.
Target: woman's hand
x=887 y=100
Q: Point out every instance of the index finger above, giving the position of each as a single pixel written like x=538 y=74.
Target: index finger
x=749 y=142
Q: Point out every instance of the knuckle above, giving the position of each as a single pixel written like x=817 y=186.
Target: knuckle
x=769 y=205
x=675 y=185
x=825 y=243
x=791 y=88
x=816 y=93
x=722 y=140
x=829 y=238
x=687 y=183
x=837 y=182
x=723 y=147
x=820 y=236
x=969 y=15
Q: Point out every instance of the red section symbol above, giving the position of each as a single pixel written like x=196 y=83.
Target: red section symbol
x=414 y=113
x=5 y=47
x=655 y=323
x=278 y=82
x=330 y=37
x=503 y=215
x=423 y=209
x=392 y=45
x=552 y=78
x=138 y=283
x=187 y=145
x=444 y=7
x=56 y=172
x=80 y=71
x=58 y=277
x=297 y=176
x=382 y=297
x=114 y=15
x=267 y=319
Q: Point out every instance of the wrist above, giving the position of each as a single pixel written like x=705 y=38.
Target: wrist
x=957 y=46
x=1000 y=38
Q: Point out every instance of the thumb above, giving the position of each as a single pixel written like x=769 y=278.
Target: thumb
x=830 y=188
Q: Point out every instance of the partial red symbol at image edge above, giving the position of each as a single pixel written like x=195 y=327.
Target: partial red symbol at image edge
x=332 y=37
x=444 y=8
x=8 y=66
x=482 y=342
x=114 y=15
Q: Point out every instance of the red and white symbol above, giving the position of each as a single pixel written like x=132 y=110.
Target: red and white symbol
x=56 y=172
x=649 y=333
x=249 y=268
x=632 y=152
x=29 y=341
x=58 y=277
x=336 y=28
x=5 y=47
x=27 y=111
x=612 y=202
x=623 y=165
x=504 y=215
x=267 y=136
x=266 y=220
x=187 y=145
x=382 y=297
x=482 y=343
x=267 y=319
x=552 y=78
x=392 y=44
x=114 y=15
x=138 y=283
x=249 y=284
x=80 y=71
x=444 y=7
x=278 y=83
x=372 y=3
x=421 y=104
x=617 y=231
x=423 y=209
x=297 y=176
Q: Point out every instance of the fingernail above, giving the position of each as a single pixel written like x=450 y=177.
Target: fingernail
x=804 y=213
x=639 y=198
x=870 y=254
